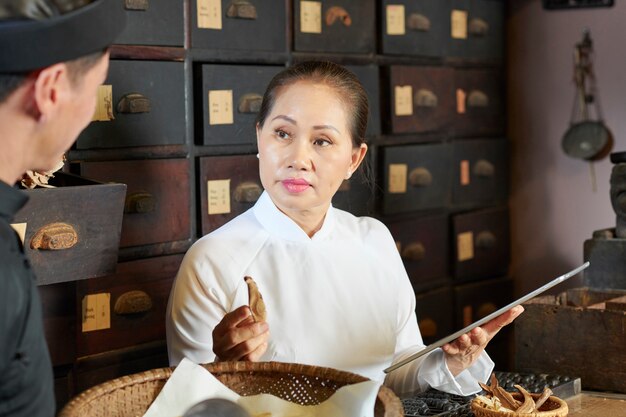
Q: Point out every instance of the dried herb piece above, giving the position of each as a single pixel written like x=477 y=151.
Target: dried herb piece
x=547 y=392
x=255 y=301
x=528 y=406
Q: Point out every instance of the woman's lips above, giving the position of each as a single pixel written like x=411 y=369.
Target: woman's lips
x=295 y=185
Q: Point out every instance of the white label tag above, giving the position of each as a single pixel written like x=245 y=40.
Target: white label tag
x=311 y=17
x=465 y=246
x=104 y=104
x=397 y=178
x=403 y=100
x=210 y=14
x=459 y=24
x=219 y=196
x=221 y=107
x=20 y=229
x=96 y=312
x=395 y=19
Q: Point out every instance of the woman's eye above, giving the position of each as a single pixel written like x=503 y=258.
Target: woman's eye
x=282 y=134
x=322 y=142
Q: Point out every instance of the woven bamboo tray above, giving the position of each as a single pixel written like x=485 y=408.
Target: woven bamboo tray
x=130 y=396
x=553 y=407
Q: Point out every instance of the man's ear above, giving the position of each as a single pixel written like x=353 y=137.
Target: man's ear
x=50 y=85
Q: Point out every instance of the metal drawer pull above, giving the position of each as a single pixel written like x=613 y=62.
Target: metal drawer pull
x=338 y=13
x=425 y=98
x=477 y=98
x=414 y=252
x=420 y=177
x=484 y=169
x=486 y=240
x=139 y=202
x=248 y=192
x=242 y=10
x=54 y=236
x=250 y=103
x=132 y=302
x=139 y=5
x=133 y=103
x=428 y=327
x=418 y=22
x=478 y=27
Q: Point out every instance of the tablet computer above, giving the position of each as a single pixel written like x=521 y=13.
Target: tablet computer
x=487 y=318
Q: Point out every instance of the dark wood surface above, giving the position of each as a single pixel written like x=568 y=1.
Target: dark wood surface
x=597 y=404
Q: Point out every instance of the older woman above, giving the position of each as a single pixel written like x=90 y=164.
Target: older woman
x=336 y=291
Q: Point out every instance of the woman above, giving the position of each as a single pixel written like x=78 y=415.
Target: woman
x=334 y=285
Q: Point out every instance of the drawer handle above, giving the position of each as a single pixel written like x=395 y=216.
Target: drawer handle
x=478 y=27
x=477 y=98
x=485 y=309
x=484 y=169
x=242 y=10
x=139 y=5
x=250 y=103
x=139 y=202
x=418 y=22
x=420 y=177
x=54 y=236
x=414 y=252
x=485 y=240
x=134 y=103
x=248 y=192
x=425 y=98
x=428 y=327
x=132 y=302
x=338 y=13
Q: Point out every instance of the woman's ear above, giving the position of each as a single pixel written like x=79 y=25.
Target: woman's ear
x=258 y=134
x=358 y=154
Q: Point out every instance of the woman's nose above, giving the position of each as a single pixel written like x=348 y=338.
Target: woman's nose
x=300 y=156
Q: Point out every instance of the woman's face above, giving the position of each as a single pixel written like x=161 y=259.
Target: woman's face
x=305 y=148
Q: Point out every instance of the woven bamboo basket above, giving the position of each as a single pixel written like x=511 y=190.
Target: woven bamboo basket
x=130 y=396
x=553 y=407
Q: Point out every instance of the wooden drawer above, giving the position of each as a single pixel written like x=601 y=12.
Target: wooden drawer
x=147 y=107
x=58 y=306
x=157 y=201
x=423 y=245
x=229 y=185
x=477 y=32
x=479 y=103
x=416 y=177
x=421 y=99
x=344 y=26
x=368 y=75
x=153 y=22
x=239 y=25
x=435 y=315
x=480 y=172
x=87 y=246
x=231 y=98
x=137 y=296
x=355 y=195
x=415 y=27
x=481 y=244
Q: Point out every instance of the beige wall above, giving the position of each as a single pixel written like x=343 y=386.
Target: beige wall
x=553 y=207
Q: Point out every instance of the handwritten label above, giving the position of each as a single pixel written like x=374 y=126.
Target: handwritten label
x=403 y=100
x=104 y=104
x=311 y=17
x=465 y=172
x=209 y=14
x=221 y=107
x=96 y=312
x=20 y=229
x=219 y=196
x=465 y=246
x=397 y=178
x=395 y=19
x=459 y=24
x=461 y=97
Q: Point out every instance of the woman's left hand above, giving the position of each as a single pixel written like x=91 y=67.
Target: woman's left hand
x=465 y=350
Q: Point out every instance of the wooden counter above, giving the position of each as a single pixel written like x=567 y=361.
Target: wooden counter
x=597 y=404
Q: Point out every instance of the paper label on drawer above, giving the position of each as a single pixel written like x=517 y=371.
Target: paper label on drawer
x=104 y=104
x=459 y=24
x=397 y=178
x=210 y=14
x=395 y=19
x=20 y=229
x=219 y=196
x=465 y=246
x=96 y=312
x=221 y=107
x=311 y=17
x=403 y=100
x=461 y=97
x=465 y=172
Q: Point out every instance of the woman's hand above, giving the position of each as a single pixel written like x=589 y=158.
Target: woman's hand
x=239 y=338
x=464 y=351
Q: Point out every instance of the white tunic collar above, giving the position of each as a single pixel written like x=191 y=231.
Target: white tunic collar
x=279 y=224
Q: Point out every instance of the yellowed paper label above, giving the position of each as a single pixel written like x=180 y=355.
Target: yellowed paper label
x=221 y=107
x=465 y=246
x=219 y=196
x=397 y=178
x=465 y=172
x=210 y=14
x=96 y=312
x=311 y=17
x=395 y=19
x=403 y=100
x=461 y=97
x=459 y=24
x=104 y=104
x=20 y=229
